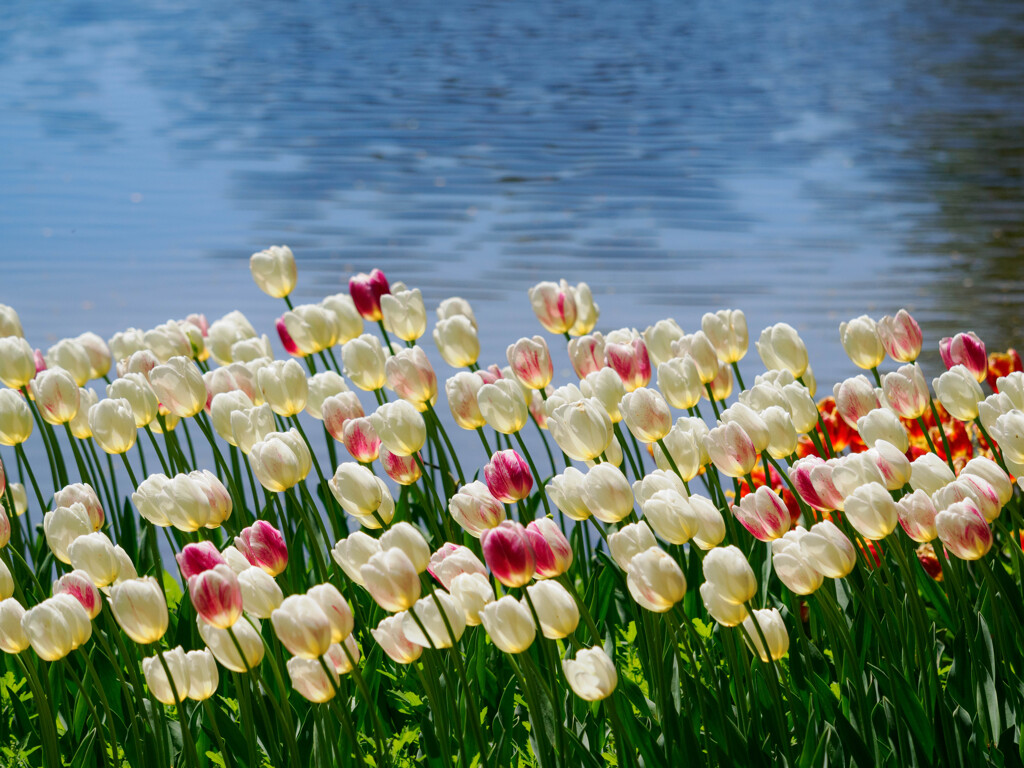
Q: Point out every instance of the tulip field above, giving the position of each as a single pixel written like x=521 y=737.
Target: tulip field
x=211 y=557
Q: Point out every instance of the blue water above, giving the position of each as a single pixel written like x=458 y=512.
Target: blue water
x=804 y=161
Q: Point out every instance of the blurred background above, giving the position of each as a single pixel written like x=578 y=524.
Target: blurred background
x=803 y=161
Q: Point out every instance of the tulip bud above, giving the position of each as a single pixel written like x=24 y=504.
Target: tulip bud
x=62 y=526
x=929 y=473
x=566 y=491
x=337 y=410
x=15 y=418
x=179 y=386
x=607 y=493
x=1008 y=430
x=172 y=691
x=731 y=574
x=906 y=392
x=531 y=362
x=411 y=376
x=963 y=531
x=917 y=516
x=959 y=393
x=586 y=354
x=79 y=584
x=274 y=270
x=56 y=395
x=320 y=387
x=509 y=624
x=456 y=340
x=655 y=580
x=264 y=546
x=630 y=540
x=860 y=339
x=462 y=390
x=56 y=627
x=781 y=348
x=400 y=427
x=731 y=449
x=260 y=593
x=764 y=514
x=791 y=566
x=353 y=552
x=348 y=321
x=10 y=323
x=554 y=305
x=968 y=350
x=113 y=425
x=12 y=635
x=782 y=435
x=309 y=678
x=699 y=347
x=217 y=596
x=988 y=470
x=250 y=426
x=366 y=291
x=583 y=429
x=883 y=424
x=17 y=362
x=202 y=675
x=646 y=414
x=472 y=591
x=307 y=329
x=450 y=560
x=357 y=489
x=603 y=385
x=429 y=611
x=302 y=627
x=392 y=580
x=774 y=630
x=94 y=554
x=630 y=361
x=224 y=647
x=284 y=387
x=508 y=553
x=140 y=609
x=503 y=406
x=281 y=460
x=871 y=510
x=390 y=636
x=685 y=443
x=364 y=359
x=901 y=336
x=551 y=549
x=827 y=550
x=727 y=331
x=591 y=675
x=855 y=398
x=508 y=477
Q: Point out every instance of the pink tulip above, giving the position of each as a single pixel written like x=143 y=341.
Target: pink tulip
x=901 y=336
x=764 y=514
x=508 y=553
x=508 y=476
x=490 y=374
x=39 y=360
x=963 y=530
x=531 y=362
x=286 y=338
x=631 y=362
x=968 y=350
x=586 y=354
x=361 y=439
x=366 y=290
x=856 y=397
x=451 y=560
x=337 y=410
x=217 y=596
x=80 y=586
x=813 y=479
x=196 y=558
x=263 y=546
x=402 y=469
x=550 y=548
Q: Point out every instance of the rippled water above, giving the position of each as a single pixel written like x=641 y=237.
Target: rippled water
x=804 y=161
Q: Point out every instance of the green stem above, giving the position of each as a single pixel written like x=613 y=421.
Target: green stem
x=942 y=432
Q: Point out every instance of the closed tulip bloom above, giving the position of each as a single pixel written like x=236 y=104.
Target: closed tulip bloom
x=167 y=341
x=1008 y=431
x=812 y=477
x=731 y=449
x=400 y=427
x=135 y=388
x=591 y=675
x=408 y=539
x=827 y=550
x=531 y=362
x=856 y=397
x=860 y=339
x=781 y=348
x=127 y=342
x=727 y=331
x=320 y=387
x=10 y=323
x=883 y=424
x=411 y=376
x=587 y=310
x=554 y=304
x=217 y=596
x=163 y=689
x=250 y=426
x=94 y=554
x=17 y=362
x=959 y=393
x=721 y=385
x=79 y=425
x=607 y=493
x=472 y=591
x=302 y=627
x=583 y=429
x=307 y=329
x=659 y=339
x=222 y=336
x=429 y=611
x=672 y=517
x=462 y=390
x=603 y=385
x=13 y=638
x=224 y=649
x=179 y=386
x=390 y=636
x=764 y=514
x=655 y=580
x=202 y=675
x=404 y=314
x=630 y=361
x=782 y=435
x=566 y=491
x=337 y=410
x=56 y=627
x=80 y=585
x=963 y=530
x=556 y=609
x=113 y=425
x=731 y=574
x=551 y=549
x=195 y=558
x=978 y=490
x=475 y=509
x=901 y=336
x=217 y=497
x=6 y=581
x=917 y=516
x=56 y=395
x=988 y=470
x=221 y=408
x=801 y=407
x=354 y=551
x=906 y=391
x=753 y=425
x=336 y=608
x=450 y=560
x=508 y=476
x=685 y=443
x=83 y=494
x=457 y=341
x=311 y=681
x=348 y=321
x=790 y=565
x=456 y=306
x=140 y=609
x=366 y=290
x=284 y=386
x=968 y=350
x=630 y=540
x=281 y=460
x=872 y=511
x=391 y=579
x=503 y=406
x=508 y=553
x=769 y=620
x=194 y=327
x=263 y=545
x=646 y=414
x=929 y=473
x=699 y=347
x=586 y=354
x=15 y=418
x=402 y=469
x=364 y=360
x=62 y=526
x=509 y=624
x=356 y=489
x=274 y=271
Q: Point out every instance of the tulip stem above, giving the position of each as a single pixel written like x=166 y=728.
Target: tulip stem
x=311 y=534
x=483 y=439
x=996 y=451
x=927 y=436
x=82 y=470
x=547 y=445
x=186 y=734
x=51 y=750
x=874 y=372
x=330 y=500
x=108 y=715
x=942 y=432
x=566 y=580
x=131 y=472
x=20 y=452
x=378 y=726
x=83 y=696
x=211 y=716
x=384 y=333
x=342 y=711
x=447 y=442
x=536 y=474
x=780 y=718
x=739 y=378
x=714 y=405
x=625 y=450
x=618 y=731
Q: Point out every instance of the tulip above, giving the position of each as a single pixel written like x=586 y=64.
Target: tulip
x=731 y=449
x=1008 y=431
x=603 y=385
x=781 y=348
x=402 y=469
x=62 y=526
x=172 y=691
x=390 y=636
x=280 y=460
x=591 y=675
x=79 y=584
x=764 y=514
x=566 y=491
x=685 y=443
x=770 y=623
x=274 y=270
x=853 y=471
x=883 y=424
x=127 y=342
x=56 y=626
x=551 y=549
x=302 y=627
x=855 y=397
x=462 y=390
x=472 y=591
x=977 y=489
x=167 y=341
x=10 y=323
x=587 y=310
x=194 y=327
x=586 y=354
x=357 y=489
x=968 y=350
x=336 y=608
x=56 y=395
x=222 y=335
x=13 y=638
x=411 y=376
x=860 y=339
x=531 y=362
x=630 y=540
x=782 y=435
x=503 y=406
x=309 y=678
x=929 y=473
x=455 y=306
x=187 y=502
x=284 y=386
x=202 y=674
x=901 y=336
x=753 y=425
x=366 y=291
x=429 y=611
x=79 y=425
x=508 y=477
x=140 y=609
x=892 y=463
x=727 y=331
x=827 y=550
x=127 y=567
x=791 y=566
x=583 y=429
x=251 y=350
x=179 y=385
x=917 y=516
x=725 y=613
x=812 y=477
x=988 y=470
x=963 y=530
x=871 y=510
x=112 y=422
x=364 y=359
x=630 y=361
x=731 y=574
x=15 y=418
x=217 y=497
x=400 y=427
x=906 y=392
x=320 y=387
x=508 y=553
x=135 y=388
x=509 y=624
x=801 y=407
x=94 y=554
x=554 y=305
x=450 y=560
x=264 y=546
x=337 y=410
x=699 y=347
x=655 y=580
x=353 y=552
x=17 y=362
x=959 y=393
x=391 y=579
x=659 y=339
x=671 y=515
x=217 y=596
x=6 y=581
x=348 y=321
x=307 y=329
x=408 y=539
x=457 y=341
x=223 y=646
x=250 y=426
x=260 y=593
x=607 y=493
x=646 y=414
x=81 y=493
